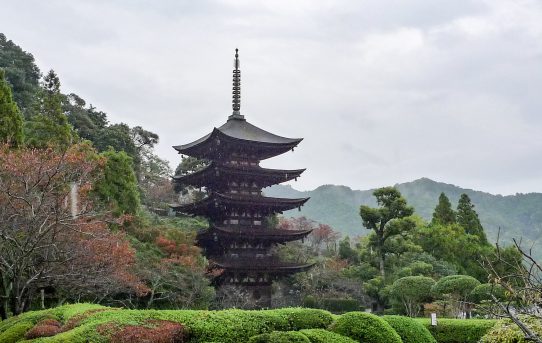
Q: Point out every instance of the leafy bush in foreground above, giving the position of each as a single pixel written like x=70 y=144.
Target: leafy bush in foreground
x=505 y=331
x=410 y=330
x=458 y=330
x=366 y=328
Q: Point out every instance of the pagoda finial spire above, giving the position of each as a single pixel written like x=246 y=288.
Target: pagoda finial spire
x=236 y=102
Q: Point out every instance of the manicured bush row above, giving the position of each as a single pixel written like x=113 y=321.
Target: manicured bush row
x=366 y=328
x=280 y=337
x=410 y=330
x=303 y=336
x=86 y=322
x=458 y=330
x=228 y=326
x=335 y=305
x=324 y=336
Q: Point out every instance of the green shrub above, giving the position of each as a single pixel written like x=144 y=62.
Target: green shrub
x=335 y=305
x=505 y=331
x=280 y=337
x=305 y=318
x=484 y=292
x=410 y=330
x=458 y=330
x=324 y=336
x=15 y=332
x=366 y=328
x=83 y=322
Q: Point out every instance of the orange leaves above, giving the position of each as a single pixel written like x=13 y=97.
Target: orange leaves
x=44 y=328
x=178 y=253
x=336 y=264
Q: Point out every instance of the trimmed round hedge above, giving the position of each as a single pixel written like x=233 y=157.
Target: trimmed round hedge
x=324 y=336
x=458 y=330
x=410 y=330
x=280 y=337
x=366 y=328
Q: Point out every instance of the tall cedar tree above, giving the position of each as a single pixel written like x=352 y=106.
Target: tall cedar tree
x=48 y=124
x=118 y=186
x=11 y=120
x=387 y=220
x=443 y=214
x=468 y=218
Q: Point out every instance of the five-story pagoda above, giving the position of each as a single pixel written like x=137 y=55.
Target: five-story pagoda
x=239 y=240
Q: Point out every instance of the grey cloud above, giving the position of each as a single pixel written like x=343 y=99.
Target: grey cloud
x=382 y=91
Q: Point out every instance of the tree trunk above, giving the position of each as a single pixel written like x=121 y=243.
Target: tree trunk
x=381 y=264
x=42 y=298
x=381 y=256
x=3 y=310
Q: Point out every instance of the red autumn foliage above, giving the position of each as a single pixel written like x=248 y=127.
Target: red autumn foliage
x=178 y=253
x=44 y=328
x=336 y=264
x=153 y=331
x=53 y=233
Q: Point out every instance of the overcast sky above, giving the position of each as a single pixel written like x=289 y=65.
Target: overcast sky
x=383 y=92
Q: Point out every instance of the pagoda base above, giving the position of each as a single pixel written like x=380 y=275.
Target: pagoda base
x=244 y=296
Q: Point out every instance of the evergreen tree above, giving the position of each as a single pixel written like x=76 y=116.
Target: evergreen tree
x=22 y=73
x=118 y=186
x=388 y=220
x=48 y=124
x=443 y=213
x=468 y=218
x=11 y=120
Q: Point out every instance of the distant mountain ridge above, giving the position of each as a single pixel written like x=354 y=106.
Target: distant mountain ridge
x=518 y=216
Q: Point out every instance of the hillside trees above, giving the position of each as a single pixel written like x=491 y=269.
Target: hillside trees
x=390 y=219
x=443 y=213
x=468 y=218
x=11 y=120
x=48 y=125
x=21 y=72
x=52 y=236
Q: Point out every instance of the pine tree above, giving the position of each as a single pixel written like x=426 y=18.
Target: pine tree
x=48 y=124
x=443 y=214
x=468 y=218
x=11 y=120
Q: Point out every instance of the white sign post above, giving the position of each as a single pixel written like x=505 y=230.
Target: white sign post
x=433 y=319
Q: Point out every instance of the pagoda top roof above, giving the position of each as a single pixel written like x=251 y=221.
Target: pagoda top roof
x=238 y=130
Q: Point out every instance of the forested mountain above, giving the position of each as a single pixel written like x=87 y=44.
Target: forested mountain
x=518 y=216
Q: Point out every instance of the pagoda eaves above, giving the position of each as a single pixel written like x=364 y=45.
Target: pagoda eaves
x=214 y=175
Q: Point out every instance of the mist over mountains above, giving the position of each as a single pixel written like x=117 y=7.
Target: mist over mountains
x=517 y=216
